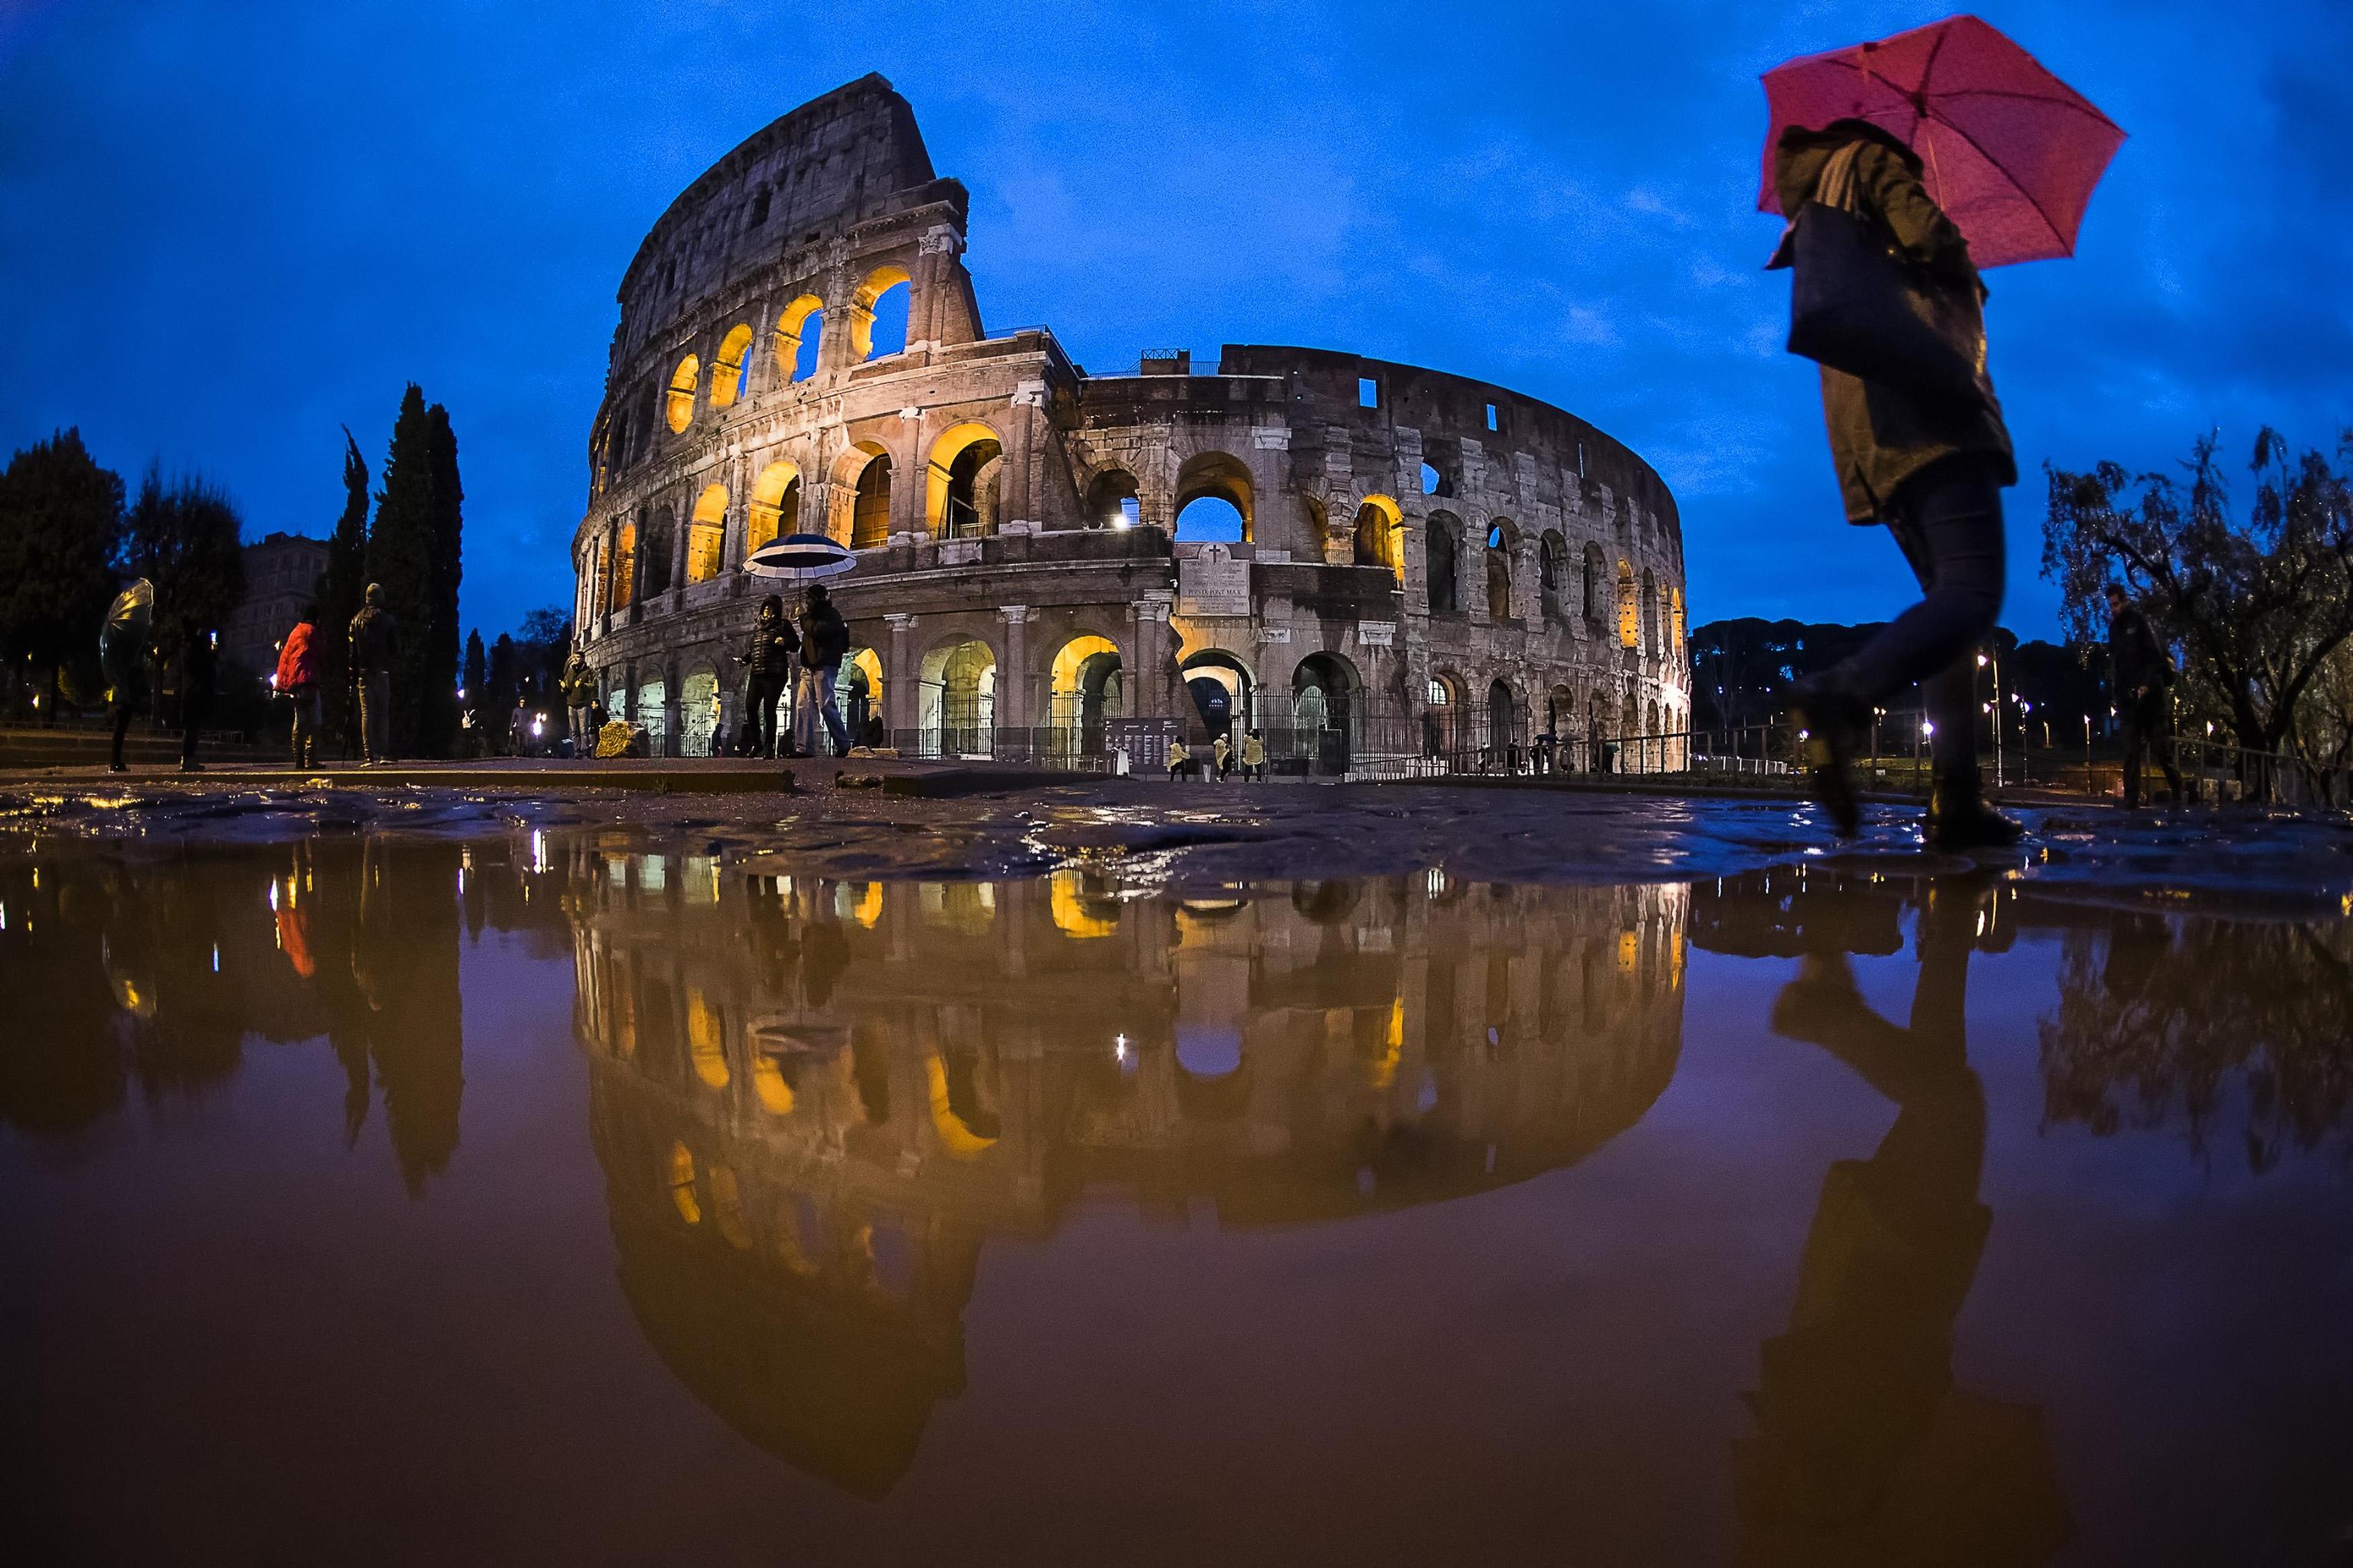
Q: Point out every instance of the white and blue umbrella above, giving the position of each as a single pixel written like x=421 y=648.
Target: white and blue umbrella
x=801 y=558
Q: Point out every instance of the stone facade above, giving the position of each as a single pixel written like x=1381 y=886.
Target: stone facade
x=1428 y=566
x=281 y=580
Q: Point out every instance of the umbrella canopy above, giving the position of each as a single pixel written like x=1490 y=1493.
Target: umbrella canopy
x=2011 y=151
x=801 y=558
x=135 y=606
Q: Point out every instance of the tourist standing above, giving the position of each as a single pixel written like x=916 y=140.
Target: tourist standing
x=579 y=686
x=122 y=657
x=2141 y=676
x=768 y=669
x=373 y=634
x=1222 y=753
x=199 y=675
x=1179 y=759
x=297 y=682
x=1927 y=462
x=824 y=642
x=1253 y=758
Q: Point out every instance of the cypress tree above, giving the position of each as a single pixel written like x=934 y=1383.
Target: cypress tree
x=340 y=588
x=448 y=553
x=502 y=688
x=400 y=559
x=473 y=694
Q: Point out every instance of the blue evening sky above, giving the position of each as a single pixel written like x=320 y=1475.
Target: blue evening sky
x=226 y=229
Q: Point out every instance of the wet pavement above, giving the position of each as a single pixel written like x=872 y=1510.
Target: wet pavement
x=1107 y=1175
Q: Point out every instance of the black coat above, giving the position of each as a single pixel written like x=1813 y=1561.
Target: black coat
x=771 y=647
x=2136 y=658
x=1883 y=435
x=372 y=633
x=825 y=637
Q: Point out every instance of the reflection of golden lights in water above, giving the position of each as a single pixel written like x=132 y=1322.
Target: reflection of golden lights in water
x=768 y=1083
x=960 y=1141
x=681 y=1185
x=1066 y=897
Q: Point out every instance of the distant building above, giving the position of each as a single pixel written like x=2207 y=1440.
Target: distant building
x=281 y=578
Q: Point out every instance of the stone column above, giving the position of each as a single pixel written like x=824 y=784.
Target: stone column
x=909 y=482
x=900 y=676
x=1020 y=485
x=1013 y=706
x=935 y=255
x=1149 y=679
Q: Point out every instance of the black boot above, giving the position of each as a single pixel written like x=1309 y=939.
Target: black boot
x=1958 y=817
x=1833 y=721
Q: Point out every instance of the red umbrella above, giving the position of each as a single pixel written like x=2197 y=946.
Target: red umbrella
x=2011 y=152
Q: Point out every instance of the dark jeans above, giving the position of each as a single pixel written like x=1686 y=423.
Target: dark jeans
x=2148 y=728
x=760 y=694
x=375 y=716
x=1947 y=522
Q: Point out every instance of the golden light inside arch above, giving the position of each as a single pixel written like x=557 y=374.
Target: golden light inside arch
x=706 y=534
x=1380 y=534
x=879 y=283
x=951 y=445
x=727 y=374
x=791 y=323
x=764 y=514
x=1072 y=657
x=681 y=393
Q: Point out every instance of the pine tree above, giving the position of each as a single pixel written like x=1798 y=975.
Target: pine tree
x=60 y=524
x=400 y=560
x=340 y=590
x=448 y=550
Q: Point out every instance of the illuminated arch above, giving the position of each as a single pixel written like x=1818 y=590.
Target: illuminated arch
x=697 y=713
x=957 y=698
x=1079 y=910
x=775 y=505
x=958 y=501
x=727 y=372
x=1630 y=610
x=956 y=1133
x=803 y=317
x=860 y=511
x=861 y=691
x=879 y=283
x=706 y=1040
x=706 y=534
x=1380 y=535
x=1112 y=500
x=682 y=382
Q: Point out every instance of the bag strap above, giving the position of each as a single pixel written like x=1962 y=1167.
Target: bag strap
x=1835 y=187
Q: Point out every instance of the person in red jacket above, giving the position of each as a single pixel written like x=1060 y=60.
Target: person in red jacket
x=297 y=678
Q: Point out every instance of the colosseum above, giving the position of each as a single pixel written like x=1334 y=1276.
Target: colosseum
x=1379 y=567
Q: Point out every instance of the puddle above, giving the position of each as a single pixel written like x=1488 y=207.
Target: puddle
x=503 y=1191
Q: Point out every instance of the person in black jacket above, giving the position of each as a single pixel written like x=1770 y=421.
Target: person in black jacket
x=824 y=642
x=373 y=632
x=769 y=662
x=1932 y=470
x=198 y=677
x=2142 y=679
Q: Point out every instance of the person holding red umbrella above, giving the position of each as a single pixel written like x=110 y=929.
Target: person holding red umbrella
x=1904 y=167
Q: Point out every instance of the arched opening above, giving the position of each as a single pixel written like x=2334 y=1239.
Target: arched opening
x=1558 y=739
x=956 y=709
x=1629 y=732
x=1434 y=481
x=1219 y=685
x=657 y=551
x=1443 y=718
x=1380 y=535
x=727 y=373
x=706 y=534
x=1630 y=611
x=679 y=407
x=1654 y=618
x=861 y=489
x=622 y=568
x=800 y=332
x=1112 y=500
x=1088 y=687
x=960 y=482
x=1323 y=709
x=1442 y=548
x=774 y=508
x=1214 y=499
x=1504 y=733
x=698 y=713
x=1502 y=539
x=862 y=697
x=1552 y=569
x=649 y=711
x=878 y=316
x=1598 y=733
x=1676 y=630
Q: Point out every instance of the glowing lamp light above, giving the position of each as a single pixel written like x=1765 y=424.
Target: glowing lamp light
x=1928 y=727
x=1982 y=660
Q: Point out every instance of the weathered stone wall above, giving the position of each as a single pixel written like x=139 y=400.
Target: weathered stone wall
x=1006 y=465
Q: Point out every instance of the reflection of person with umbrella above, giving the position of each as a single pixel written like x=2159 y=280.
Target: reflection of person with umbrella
x=1864 y=1451
x=1904 y=167
x=122 y=658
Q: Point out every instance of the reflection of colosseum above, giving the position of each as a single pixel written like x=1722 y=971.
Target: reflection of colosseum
x=1361 y=558
x=815 y=1102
